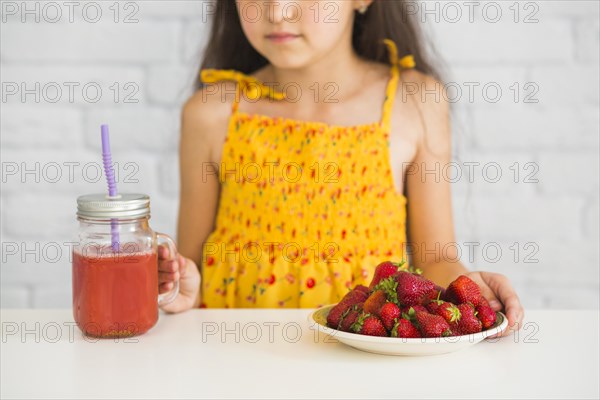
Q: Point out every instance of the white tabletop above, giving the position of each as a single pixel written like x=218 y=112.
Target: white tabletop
x=275 y=354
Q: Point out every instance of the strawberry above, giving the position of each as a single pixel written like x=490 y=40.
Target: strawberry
x=432 y=306
x=432 y=325
x=406 y=309
x=374 y=302
x=419 y=307
x=370 y=325
x=389 y=286
x=408 y=313
x=448 y=311
x=463 y=290
x=435 y=294
x=455 y=329
x=483 y=300
x=412 y=289
x=404 y=329
x=486 y=315
x=351 y=298
x=334 y=318
x=388 y=314
x=441 y=292
x=350 y=317
x=362 y=288
x=468 y=322
x=383 y=271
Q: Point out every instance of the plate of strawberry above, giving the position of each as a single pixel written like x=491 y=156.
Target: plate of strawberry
x=402 y=313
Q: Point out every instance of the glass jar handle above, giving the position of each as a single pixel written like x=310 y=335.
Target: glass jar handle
x=168 y=297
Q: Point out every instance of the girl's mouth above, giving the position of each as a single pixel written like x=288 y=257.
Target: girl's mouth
x=281 y=37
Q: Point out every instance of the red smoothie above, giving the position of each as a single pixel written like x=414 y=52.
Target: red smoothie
x=115 y=295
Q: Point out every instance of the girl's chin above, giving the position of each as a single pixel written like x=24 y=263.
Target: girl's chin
x=282 y=62
x=288 y=58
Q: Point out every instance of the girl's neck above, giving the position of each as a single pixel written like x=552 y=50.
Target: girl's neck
x=342 y=68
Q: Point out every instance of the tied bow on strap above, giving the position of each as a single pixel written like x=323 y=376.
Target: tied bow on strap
x=252 y=88
x=406 y=62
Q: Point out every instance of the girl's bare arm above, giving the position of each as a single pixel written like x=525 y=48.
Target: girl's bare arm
x=198 y=167
x=430 y=222
x=204 y=124
x=431 y=228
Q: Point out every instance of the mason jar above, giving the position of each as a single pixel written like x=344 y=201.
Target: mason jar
x=115 y=266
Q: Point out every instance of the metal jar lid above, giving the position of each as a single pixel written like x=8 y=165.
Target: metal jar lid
x=123 y=206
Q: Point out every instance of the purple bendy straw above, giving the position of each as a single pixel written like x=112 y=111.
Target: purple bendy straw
x=112 y=184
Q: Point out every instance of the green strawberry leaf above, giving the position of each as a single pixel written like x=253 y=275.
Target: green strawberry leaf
x=455 y=314
x=357 y=326
x=394 y=332
x=410 y=315
x=389 y=286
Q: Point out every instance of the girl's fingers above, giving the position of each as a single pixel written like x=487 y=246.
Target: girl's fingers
x=491 y=297
x=182 y=265
x=513 y=324
x=163 y=252
x=165 y=287
x=168 y=266
x=512 y=307
x=164 y=277
x=507 y=295
x=495 y=304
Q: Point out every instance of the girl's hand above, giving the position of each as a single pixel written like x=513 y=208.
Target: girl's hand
x=187 y=272
x=501 y=295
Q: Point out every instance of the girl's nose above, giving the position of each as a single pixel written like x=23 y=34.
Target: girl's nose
x=279 y=11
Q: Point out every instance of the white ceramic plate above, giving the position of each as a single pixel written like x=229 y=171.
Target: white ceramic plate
x=402 y=346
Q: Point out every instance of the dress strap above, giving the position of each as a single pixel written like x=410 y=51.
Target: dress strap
x=406 y=62
x=251 y=87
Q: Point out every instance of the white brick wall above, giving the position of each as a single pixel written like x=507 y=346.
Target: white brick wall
x=145 y=70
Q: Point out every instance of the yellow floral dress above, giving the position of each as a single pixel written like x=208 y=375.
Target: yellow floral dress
x=307 y=209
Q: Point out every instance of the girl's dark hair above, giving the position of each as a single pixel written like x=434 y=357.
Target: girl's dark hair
x=228 y=47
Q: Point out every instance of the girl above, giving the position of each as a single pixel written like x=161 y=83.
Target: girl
x=294 y=183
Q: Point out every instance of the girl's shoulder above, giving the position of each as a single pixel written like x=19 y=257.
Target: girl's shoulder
x=425 y=92
x=206 y=113
x=428 y=90
x=211 y=99
x=418 y=90
x=421 y=107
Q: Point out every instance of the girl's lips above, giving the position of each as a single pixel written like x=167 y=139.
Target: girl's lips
x=282 y=37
